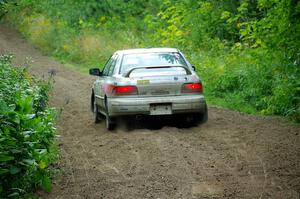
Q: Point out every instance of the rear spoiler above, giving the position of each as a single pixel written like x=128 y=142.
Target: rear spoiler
x=127 y=73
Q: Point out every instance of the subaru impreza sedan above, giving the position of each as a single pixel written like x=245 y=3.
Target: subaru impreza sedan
x=147 y=82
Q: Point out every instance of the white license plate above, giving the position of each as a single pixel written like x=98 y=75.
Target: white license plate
x=160 y=109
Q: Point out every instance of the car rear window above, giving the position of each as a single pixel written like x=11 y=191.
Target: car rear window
x=151 y=59
x=143 y=72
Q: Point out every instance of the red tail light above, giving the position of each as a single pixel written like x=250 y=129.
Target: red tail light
x=121 y=90
x=192 y=88
x=125 y=90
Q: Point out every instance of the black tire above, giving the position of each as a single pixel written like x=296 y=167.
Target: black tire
x=109 y=122
x=196 y=118
x=203 y=117
x=96 y=114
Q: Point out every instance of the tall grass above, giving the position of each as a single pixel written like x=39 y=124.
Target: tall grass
x=84 y=47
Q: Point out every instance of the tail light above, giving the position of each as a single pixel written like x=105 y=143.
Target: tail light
x=192 y=88
x=121 y=90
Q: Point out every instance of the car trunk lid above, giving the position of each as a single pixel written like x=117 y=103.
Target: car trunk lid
x=159 y=81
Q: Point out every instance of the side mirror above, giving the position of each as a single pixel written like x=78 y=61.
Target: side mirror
x=95 y=72
x=194 y=68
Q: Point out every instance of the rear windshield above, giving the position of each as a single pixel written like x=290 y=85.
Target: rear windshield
x=143 y=72
x=151 y=59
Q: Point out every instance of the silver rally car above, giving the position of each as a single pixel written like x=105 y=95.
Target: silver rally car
x=148 y=81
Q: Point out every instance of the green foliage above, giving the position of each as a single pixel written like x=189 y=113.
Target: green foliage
x=246 y=51
x=2 y=8
x=27 y=132
x=253 y=78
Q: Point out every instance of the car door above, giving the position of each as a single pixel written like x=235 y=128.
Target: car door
x=106 y=78
x=98 y=88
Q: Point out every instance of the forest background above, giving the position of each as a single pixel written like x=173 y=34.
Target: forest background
x=246 y=51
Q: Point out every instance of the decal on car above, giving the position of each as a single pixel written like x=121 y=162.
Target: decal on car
x=143 y=82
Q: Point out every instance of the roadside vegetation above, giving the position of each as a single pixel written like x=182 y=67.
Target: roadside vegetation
x=27 y=132
x=247 y=52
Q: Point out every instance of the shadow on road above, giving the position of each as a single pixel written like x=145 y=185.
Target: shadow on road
x=155 y=123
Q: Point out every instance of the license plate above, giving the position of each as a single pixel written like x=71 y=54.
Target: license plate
x=160 y=109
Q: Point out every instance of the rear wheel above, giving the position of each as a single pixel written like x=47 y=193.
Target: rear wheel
x=96 y=114
x=203 y=117
x=195 y=119
x=110 y=122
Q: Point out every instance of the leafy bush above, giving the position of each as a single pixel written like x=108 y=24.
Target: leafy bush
x=27 y=133
x=252 y=81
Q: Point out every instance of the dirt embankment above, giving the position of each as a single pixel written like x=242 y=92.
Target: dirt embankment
x=232 y=156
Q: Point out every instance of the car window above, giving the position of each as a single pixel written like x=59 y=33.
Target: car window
x=107 y=66
x=113 y=65
x=142 y=72
x=151 y=59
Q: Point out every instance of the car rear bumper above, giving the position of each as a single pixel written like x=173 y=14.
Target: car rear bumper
x=135 y=106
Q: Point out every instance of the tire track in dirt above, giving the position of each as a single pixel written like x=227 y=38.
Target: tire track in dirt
x=234 y=155
x=204 y=182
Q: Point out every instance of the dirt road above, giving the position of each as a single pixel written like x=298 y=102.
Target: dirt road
x=234 y=155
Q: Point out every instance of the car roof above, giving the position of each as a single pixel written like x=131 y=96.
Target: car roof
x=147 y=50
